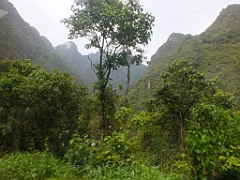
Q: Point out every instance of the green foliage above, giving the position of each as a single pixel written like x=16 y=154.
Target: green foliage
x=123 y=113
x=109 y=19
x=78 y=150
x=213 y=142
x=123 y=116
x=112 y=149
x=35 y=166
x=140 y=119
x=37 y=109
x=45 y=166
x=113 y=157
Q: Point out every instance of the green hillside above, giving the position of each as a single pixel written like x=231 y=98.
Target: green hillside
x=214 y=52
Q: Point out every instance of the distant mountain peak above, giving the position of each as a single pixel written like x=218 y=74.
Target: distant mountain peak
x=21 y=41
x=175 y=37
x=68 y=46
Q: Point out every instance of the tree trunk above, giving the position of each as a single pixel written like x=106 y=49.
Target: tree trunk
x=128 y=83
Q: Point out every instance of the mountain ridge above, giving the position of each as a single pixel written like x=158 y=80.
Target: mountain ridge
x=215 y=52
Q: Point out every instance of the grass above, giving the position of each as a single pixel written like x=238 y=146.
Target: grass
x=42 y=165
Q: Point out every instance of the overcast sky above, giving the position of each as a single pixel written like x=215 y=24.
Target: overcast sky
x=179 y=16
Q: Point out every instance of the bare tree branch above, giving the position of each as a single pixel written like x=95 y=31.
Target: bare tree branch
x=92 y=65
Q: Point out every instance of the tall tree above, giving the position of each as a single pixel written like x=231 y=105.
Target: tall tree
x=118 y=29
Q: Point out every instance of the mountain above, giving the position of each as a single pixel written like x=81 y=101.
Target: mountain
x=75 y=60
x=81 y=63
x=19 y=40
x=214 y=52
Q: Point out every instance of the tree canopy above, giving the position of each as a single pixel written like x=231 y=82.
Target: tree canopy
x=37 y=108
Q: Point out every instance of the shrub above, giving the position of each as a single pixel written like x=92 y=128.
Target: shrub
x=213 y=143
x=37 y=165
x=111 y=149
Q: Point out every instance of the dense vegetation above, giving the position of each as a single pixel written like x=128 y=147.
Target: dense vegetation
x=52 y=128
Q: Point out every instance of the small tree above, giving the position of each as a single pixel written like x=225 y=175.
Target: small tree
x=117 y=29
x=183 y=86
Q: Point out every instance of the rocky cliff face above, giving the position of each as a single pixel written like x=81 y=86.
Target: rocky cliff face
x=172 y=43
x=68 y=51
x=175 y=37
x=3 y=13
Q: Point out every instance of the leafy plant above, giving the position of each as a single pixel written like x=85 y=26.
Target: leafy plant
x=213 y=142
x=171 y=111
x=37 y=108
x=37 y=165
x=112 y=149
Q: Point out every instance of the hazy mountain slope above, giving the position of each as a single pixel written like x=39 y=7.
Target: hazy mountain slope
x=75 y=60
x=81 y=63
x=216 y=52
x=18 y=40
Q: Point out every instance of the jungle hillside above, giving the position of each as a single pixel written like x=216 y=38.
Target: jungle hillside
x=64 y=115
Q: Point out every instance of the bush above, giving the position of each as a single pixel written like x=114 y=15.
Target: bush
x=34 y=166
x=213 y=143
x=111 y=149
